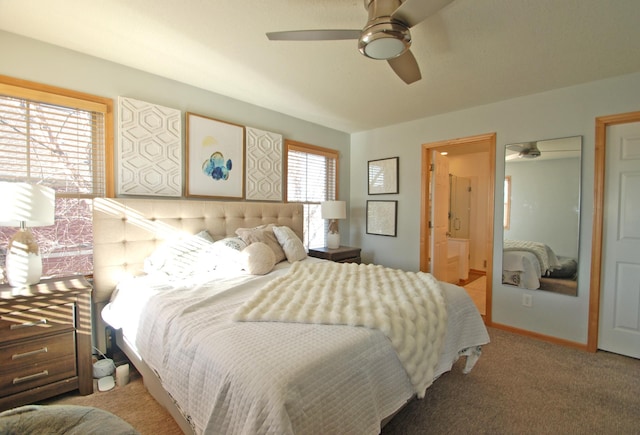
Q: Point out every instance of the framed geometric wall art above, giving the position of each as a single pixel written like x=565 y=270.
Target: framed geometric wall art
x=215 y=158
x=149 y=149
x=264 y=165
x=383 y=176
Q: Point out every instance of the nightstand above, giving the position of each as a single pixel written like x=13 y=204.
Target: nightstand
x=45 y=340
x=343 y=254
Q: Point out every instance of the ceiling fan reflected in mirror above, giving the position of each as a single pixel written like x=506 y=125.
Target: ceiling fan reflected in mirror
x=386 y=35
x=527 y=150
x=546 y=149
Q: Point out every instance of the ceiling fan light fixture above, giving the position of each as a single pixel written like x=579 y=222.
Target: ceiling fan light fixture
x=530 y=152
x=384 y=40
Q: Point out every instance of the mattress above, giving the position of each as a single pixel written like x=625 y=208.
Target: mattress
x=271 y=377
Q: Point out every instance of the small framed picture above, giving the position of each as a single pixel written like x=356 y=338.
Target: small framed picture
x=383 y=176
x=215 y=158
x=382 y=218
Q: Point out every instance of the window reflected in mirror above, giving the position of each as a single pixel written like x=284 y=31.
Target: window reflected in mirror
x=542 y=215
x=507 y=202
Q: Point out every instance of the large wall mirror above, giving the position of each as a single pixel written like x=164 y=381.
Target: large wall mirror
x=542 y=215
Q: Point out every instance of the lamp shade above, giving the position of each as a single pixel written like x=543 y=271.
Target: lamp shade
x=29 y=203
x=333 y=210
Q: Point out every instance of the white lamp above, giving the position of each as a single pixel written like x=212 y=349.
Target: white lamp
x=333 y=210
x=25 y=205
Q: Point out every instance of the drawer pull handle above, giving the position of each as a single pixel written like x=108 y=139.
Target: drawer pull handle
x=29 y=324
x=30 y=377
x=31 y=353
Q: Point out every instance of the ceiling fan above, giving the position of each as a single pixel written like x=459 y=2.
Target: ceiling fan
x=386 y=35
x=526 y=150
x=546 y=149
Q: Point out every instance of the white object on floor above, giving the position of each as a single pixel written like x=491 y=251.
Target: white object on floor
x=122 y=375
x=106 y=383
x=103 y=367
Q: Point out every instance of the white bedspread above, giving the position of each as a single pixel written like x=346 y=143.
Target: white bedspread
x=271 y=377
x=407 y=307
x=525 y=266
x=545 y=255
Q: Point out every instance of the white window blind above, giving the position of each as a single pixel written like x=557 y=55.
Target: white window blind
x=312 y=177
x=58 y=141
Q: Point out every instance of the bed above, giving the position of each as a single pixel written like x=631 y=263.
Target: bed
x=533 y=265
x=216 y=367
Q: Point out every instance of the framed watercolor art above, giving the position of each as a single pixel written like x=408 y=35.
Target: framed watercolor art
x=215 y=158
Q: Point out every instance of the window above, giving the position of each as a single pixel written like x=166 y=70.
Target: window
x=312 y=177
x=61 y=139
x=507 y=202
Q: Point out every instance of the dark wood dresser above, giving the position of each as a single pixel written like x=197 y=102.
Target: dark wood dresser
x=45 y=340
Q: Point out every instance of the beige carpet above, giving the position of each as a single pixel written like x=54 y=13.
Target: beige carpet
x=132 y=403
x=519 y=386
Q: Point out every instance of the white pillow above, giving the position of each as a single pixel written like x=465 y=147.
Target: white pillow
x=258 y=258
x=222 y=254
x=177 y=257
x=291 y=244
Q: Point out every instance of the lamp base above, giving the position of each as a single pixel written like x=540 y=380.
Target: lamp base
x=24 y=263
x=333 y=240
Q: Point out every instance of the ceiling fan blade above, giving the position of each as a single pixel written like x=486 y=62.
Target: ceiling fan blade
x=314 y=35
x=406 y=67
x=412 y=12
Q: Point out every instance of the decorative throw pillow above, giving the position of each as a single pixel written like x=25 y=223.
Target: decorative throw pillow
x=177 y=257
x=291 y=243
x=258 y=258
x=264 y=234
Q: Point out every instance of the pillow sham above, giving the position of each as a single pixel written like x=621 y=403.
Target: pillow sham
x=177 y=257
x=264 y=234
x=291 y=244
x=258 y=258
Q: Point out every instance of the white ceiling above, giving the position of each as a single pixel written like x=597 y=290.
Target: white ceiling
x=472 y=52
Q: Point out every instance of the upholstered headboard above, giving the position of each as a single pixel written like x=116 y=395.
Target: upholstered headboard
x=126 y=231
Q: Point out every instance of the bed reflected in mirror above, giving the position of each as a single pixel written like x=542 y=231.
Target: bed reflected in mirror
x=542 y=215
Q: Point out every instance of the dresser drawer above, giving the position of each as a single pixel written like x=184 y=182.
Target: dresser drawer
x=36 y=351
x=36 y=375
x=32 y=322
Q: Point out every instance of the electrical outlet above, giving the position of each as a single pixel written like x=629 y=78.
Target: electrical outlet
x=527 y=300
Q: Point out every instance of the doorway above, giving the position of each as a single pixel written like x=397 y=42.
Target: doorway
x=432 y=231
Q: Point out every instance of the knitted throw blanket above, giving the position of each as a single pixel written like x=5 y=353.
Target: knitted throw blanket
x=408 y=307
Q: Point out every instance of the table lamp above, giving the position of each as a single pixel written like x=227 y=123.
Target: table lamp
x=25 y=205
x=333 y=210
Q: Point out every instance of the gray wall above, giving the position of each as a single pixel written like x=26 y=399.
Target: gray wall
x=560 y=113
x=44 y=63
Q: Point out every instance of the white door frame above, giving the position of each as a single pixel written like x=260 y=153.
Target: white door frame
x=602 y=123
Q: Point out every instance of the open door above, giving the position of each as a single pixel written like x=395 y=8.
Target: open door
x=439 y=216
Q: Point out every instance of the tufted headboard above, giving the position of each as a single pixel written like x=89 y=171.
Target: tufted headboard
x=126 y=231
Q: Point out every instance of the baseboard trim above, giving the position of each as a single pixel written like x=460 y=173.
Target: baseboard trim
x=538 y=336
